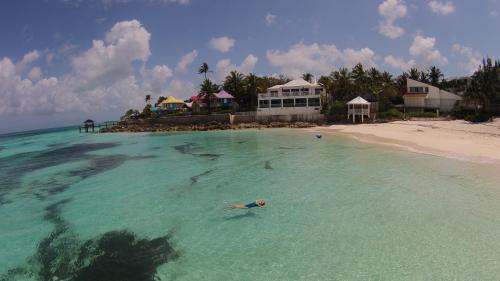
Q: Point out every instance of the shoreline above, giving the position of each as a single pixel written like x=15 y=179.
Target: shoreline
x=459 y=140
x=208 y=126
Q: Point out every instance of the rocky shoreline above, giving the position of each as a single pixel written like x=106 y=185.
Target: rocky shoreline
x=209 y=126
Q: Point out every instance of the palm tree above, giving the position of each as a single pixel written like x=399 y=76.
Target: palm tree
x=208 y=88
x=148 y=99
x=435 y=76
x=424 y=77
x=308 y=77
x=204 y=69
x=234 y=85
x=414 y=74
x=343 y=86
x=252 y=88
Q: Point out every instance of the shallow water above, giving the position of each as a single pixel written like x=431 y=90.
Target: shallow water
x=338 y=209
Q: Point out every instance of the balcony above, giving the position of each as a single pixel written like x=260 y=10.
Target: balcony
x=288 y=94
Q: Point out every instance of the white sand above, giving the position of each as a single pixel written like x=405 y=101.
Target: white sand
x=456 y=139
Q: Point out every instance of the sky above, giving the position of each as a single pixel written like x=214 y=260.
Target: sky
x=63 y=61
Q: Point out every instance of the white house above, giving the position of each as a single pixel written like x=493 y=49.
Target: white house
x=297 y=97
x=424 y=96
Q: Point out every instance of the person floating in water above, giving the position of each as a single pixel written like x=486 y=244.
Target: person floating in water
x=258 y=203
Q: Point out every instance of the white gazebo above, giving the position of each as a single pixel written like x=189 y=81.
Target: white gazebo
x=358 y=106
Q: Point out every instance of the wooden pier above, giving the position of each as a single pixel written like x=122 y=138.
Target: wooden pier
x=90 y=126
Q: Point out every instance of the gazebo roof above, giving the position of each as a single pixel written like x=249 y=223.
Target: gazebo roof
x=358 y=100
x=89 y=121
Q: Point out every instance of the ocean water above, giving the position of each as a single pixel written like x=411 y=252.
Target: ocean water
x=151 y=207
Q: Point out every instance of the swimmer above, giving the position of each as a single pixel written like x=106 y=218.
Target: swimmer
x=258 y=203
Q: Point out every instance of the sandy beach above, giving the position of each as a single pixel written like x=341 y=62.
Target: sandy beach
x=455 y=139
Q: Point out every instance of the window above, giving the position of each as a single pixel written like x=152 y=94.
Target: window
x=314 y=102
x=286 y=92
x=419 y=90
x=288 y=102
x=275 y=103
x=318 y=91
x=300 y=102
x=263 y=103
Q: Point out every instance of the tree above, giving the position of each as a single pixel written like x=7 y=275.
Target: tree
x=424 y=77
x=343 y=86
x=361 y=80
x=148 y=99
x=204 y=69
x=308 y=77
x=435 y=76
x=414 y=74
x=208 y=88
x=252 y=89
x=234 y=85
x=160 y=99
x=484 y=88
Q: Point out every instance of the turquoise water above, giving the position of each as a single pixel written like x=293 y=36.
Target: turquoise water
x=338 y=209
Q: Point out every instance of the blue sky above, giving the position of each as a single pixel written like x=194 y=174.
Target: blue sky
x=62 y=61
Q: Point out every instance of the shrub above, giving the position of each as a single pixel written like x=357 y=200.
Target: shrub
x=481 y=116
x=391 y=114
x=422 y=114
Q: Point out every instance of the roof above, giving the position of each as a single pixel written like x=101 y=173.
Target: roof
x=358 y=100
x=172 y=99
x=275 y=87
x=89 y=121
x=298 y=83
x=223 y=95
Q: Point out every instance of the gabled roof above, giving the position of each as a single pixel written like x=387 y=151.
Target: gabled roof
x=358 y=100
x=223 y=95
x=298 y=83
x=172 y=99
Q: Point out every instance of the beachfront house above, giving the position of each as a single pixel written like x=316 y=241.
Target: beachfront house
x=358 y=107
x=172 y=104
x=297 y=97
x=222 y=99
x=421 y=96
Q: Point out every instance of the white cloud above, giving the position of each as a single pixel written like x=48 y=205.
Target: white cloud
x=399 y=63
x=185 y=61
x=223 y=67
x=222 y=44
x=27 y=59
x=155 y=79
x=388 y=29
x=442 y=8
x=35 y=73
x=102 y=78
x=425 y=48
x=181 y=89
x=111 y=60
x=270 y=18
x=474 y=58
x=318 y=59
x=30 y=57
x=391 y=11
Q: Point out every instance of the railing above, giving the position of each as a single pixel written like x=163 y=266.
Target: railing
x=296 y=94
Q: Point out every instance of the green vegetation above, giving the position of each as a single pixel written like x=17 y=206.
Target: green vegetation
x=391 y=114
x=484 y=88
x=425 y=114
